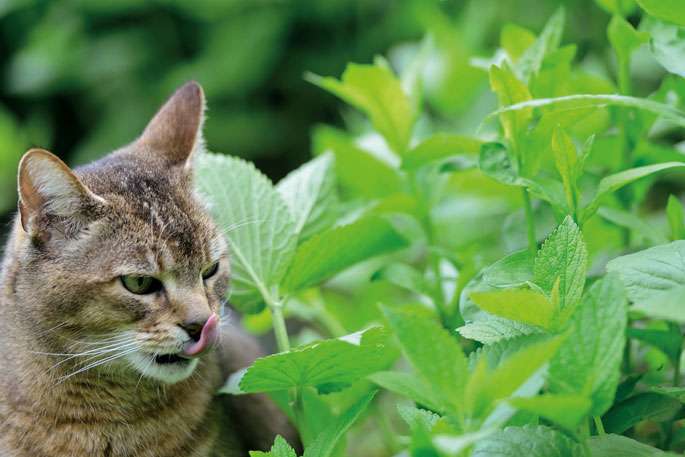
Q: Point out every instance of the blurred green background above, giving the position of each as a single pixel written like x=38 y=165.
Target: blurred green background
x=82 y=77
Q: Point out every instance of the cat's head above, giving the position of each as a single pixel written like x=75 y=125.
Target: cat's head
x=118 y=260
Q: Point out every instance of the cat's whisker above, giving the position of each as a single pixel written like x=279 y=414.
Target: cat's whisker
x=89 y=351
x=144 y=372
x=92 y=355
x=97 y=363
x=236 y=225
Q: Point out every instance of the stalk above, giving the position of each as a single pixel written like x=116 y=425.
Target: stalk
x=530 y=222
x=599 y=425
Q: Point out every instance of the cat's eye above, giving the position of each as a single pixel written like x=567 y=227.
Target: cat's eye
x=141 y=285
x=211 y=271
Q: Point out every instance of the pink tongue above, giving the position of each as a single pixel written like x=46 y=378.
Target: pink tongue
x=208 y=337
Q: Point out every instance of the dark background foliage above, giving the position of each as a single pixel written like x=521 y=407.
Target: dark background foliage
x=83 y=77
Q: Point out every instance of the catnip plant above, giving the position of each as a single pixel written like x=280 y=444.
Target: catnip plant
x=552 y=329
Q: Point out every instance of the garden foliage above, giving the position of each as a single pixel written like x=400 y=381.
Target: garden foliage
x=550 y=327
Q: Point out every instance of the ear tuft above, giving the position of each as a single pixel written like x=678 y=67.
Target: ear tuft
x=176 y=130
x=47 y=187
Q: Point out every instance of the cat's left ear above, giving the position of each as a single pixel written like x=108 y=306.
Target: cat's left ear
x=176 y=130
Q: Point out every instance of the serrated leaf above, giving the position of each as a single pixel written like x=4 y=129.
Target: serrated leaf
x=281 y=448
x=676 y=218
x=327 y=365
x=565 y=410
x=638 y=408
x=493 y=329
x=563 y=258
x=438 y=147
x=522 y=305
x=309 y=192
x=324 y=444
x=257 y=223
x=417 y=418
x=378 y=93
x=529 y=441
x=614 y=182
x=496 y=162
x=434 y=354
x=655 y=279
x=611 y=445
x=407 y=385
x=588 y=363
x=486 y=387
x=315 y=261
x=547 y=42
x=667 y=10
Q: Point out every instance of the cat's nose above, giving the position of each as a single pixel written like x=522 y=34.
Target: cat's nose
x=193 y=328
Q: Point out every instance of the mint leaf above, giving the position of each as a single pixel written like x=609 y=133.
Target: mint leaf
x=655 y=279
x=510 y=91
x=324 y=444
x=378 y=93
x=643 y=406
x=515 y=39
x=624 y=38
x=257 y=223
x=434 y=354
x=439 y=147
x=667 y=10
x=565 y=410
x=611 y=445
x=327 y=365
x=281 y=448
x=492 y=329
x=676 y=218
x=404 y=276
x=310 y=194
x=562 y=258
x=531 y=61
x=529 y=441
x=566 y=160
x=588 y=362
x=315 y=261
x=522 y=305
x=407 y=385
x=667 y=45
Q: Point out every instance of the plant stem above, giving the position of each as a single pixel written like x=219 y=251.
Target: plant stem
x=280 y=330
x=599 y=425
x=530 y=222
x=676 y=372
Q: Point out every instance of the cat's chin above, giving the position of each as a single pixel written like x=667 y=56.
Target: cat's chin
x=168 y=369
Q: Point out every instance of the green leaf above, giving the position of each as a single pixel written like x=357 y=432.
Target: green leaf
x=434 y=354
x=529 y=441
x=404 y=276
x=565 y=410
x=438 y=147
x=407 y=385
x=325 y=443
x=492 y=329
x=548 y=41
x=655 y=280
x=486 y=387
x=510 y=92
x=359 y=173
x=643 y=406
x=310 y=195
x=666 y=10
x=621 y=7
x=327 y=365
x=515 y=39
x=676 y=217
x=281 y=448
x=670 y=341
x=562 y=258
x=316 y=262
x=496 y=162
x=611 y=445
x=417 y=418
x=566 y=160
x=667 y=45
x=631 y=221
x=675 y=392
x=378 y=93
x=624 y=38
x=522 y=305
x=614 y=182
x=588 y=363
x=257 y=223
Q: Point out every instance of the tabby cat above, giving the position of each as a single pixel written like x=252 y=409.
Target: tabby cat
x=111 y=289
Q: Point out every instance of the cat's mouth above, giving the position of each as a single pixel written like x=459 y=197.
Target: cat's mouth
x=170 y=359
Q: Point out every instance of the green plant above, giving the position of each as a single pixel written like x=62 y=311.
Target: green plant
x=507 y=338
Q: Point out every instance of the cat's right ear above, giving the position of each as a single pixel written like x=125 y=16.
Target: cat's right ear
x=50 y=192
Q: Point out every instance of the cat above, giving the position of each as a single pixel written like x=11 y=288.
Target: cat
x=111 y=288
